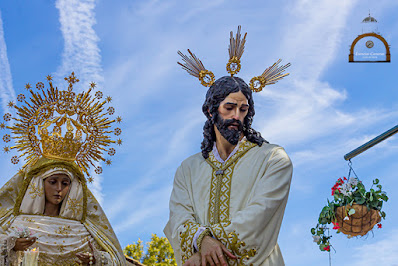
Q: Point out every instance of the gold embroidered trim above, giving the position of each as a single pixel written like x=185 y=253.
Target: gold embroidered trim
x=36 y=191
x=75 y=206
x=186 y=238
x=231 y=241
x=63 y=230
x=220 y=189
x=206 y=232
x=220 y=192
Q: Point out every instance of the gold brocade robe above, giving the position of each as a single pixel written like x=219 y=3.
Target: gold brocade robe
x=241 y=201
x=81 y=219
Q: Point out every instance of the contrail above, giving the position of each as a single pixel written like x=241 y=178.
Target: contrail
x=7 y=92
x=81 y=53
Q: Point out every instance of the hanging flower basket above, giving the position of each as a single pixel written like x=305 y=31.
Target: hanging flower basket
x=353 y=211
x=359 y=223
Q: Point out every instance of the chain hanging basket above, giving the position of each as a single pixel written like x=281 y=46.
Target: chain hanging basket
x=359 y=223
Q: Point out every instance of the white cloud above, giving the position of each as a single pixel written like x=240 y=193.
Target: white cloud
x=81 y=52
x=383 y=252
x=6 y=88
x=173 y=145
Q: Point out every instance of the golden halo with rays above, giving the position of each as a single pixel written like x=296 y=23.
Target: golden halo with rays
x=42 y=118
x=194 y=66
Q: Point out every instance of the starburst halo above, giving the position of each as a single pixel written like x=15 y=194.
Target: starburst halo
x=194 y=66
x=63 y=125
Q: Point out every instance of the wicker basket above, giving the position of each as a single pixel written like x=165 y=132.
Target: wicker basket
x=360 y=223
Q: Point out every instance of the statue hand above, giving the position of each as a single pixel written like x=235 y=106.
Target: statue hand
x=194 y=260
x=23 y=243
x=213 y=252
x=84 y=257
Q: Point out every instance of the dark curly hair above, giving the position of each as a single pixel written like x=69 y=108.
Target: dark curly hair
x=214 y=96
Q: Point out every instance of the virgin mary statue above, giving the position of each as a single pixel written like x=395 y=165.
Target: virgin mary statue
x=46 y=207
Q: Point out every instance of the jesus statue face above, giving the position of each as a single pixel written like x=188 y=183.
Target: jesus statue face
x=56 y=187
x=231 y=114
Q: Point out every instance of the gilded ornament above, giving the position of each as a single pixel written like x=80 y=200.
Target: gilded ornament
x=270 y=76
x=236 y=47
x=40 y=85
x=257 y=83
x=108 y=162
x=21 y=97
x=62 y=124
x=6 y=149
x=10 y=104
x=15 y=159
x=195 y=67
x=119 y=142
x=71 y=80
x=98 y=170
x=206 y=78
x=28 y=86
x=233 y=65
x=6 y=138
x=118 y=131
x=108 y=99
x=2 y=126
x=118 y=119
x=98 y=95
x=111 y=110
x=7 y=117
x=111 y=151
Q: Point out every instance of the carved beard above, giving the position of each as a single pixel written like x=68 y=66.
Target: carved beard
x=231 y=135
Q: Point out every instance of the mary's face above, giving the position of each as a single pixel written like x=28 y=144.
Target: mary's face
x=56 y=187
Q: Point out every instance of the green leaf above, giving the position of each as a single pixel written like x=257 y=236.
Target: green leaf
x=384 y=197
x=360 y=200
x=376 y=181
x=313 y=231
x=351 y=212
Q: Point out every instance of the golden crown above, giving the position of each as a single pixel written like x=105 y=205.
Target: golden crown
x=195 y=67
x=39 y=124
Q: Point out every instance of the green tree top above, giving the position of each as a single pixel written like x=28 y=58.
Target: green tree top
x=158 y=252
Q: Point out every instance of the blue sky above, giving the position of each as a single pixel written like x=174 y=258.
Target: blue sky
x=323 y=110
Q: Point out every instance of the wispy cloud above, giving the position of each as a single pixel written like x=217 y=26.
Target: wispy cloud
x=310 y=44
x=7 y=92
x=173 y=145
x=383 y=252
x=81 y=52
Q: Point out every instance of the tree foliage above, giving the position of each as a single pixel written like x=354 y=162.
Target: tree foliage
x=158 y=252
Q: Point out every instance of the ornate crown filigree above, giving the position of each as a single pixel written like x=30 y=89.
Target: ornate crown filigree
x=41 y=119
x=195 y=67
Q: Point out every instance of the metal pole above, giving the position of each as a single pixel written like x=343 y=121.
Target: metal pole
x=371 y=143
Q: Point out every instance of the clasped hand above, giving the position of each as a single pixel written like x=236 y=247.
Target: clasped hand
x=23 y=243
x=85 y=257
x=212 y=253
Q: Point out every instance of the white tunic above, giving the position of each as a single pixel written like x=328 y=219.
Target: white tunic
x=242 y=202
